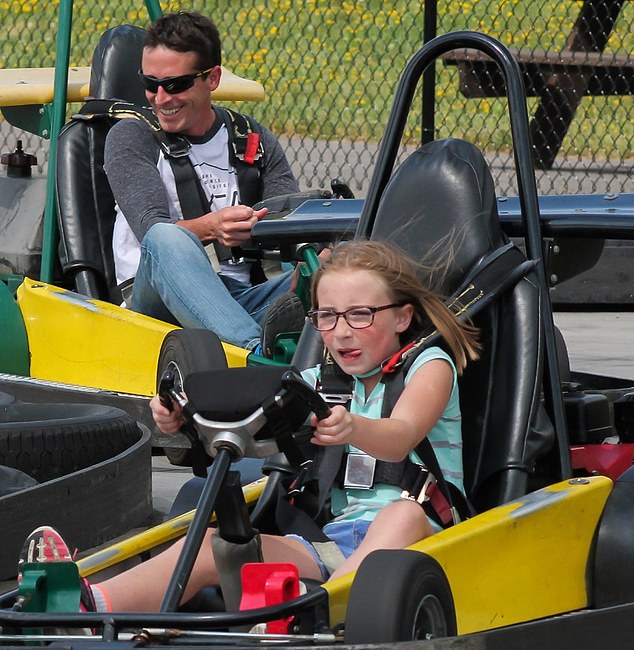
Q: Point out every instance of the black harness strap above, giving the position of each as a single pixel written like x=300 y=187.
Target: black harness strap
x=494 y=274
x=246 y=154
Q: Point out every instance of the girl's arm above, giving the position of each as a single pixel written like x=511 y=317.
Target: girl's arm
x=417 y=410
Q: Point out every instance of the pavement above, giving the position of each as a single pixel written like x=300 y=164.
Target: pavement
x=599 y=342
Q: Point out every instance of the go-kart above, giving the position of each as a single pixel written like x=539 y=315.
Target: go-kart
x=546 y=561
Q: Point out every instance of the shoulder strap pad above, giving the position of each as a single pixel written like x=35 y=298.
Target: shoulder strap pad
x=113 y=109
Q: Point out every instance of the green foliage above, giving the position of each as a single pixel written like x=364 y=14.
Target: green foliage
x=330 y=67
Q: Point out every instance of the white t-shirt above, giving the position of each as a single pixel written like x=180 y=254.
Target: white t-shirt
x=219 y=181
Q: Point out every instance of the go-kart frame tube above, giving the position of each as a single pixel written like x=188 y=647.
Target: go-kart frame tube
x=57 y=115
x=527 y=187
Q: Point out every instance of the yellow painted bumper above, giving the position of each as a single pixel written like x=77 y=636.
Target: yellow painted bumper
x=76 y=340
x=152 y=538
x=519 y=562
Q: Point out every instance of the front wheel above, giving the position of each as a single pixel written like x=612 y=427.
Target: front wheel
x=399 y=595
x=185 y=351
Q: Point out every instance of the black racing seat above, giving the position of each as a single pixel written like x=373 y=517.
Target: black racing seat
x=440 y=207
x=85 y=205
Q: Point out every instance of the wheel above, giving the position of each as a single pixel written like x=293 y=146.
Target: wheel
x=187 y=351
x=50 y=440
x=399 y=595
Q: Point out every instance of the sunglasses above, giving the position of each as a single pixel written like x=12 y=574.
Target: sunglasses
x=172 y=85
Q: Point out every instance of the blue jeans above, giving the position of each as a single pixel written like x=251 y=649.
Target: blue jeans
x=347 y=535
x=176 y=283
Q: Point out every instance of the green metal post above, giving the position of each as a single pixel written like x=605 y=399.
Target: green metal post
x=62 y=57
x=154 y=9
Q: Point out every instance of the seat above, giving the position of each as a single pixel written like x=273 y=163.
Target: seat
x=440 y=207
x=85 y=205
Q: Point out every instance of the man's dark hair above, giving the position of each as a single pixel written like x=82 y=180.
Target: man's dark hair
x=187 y=32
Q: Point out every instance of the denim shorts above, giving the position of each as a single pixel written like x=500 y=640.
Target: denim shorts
x=345 y=535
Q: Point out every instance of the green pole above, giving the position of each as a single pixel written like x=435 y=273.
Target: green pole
x=58 y=115
x=154 y=9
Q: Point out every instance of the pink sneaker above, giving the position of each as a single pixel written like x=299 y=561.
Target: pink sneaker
x=45 y=544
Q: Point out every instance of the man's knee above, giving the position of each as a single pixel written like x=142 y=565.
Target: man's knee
x=168 y=236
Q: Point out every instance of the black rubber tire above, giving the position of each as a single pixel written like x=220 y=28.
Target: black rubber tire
x=399 y=595
x=50 y=440
x=188 y=350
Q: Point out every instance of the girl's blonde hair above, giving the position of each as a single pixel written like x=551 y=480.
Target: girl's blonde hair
x=400 y=275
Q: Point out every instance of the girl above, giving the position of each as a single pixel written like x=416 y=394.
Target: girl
x=368 y=304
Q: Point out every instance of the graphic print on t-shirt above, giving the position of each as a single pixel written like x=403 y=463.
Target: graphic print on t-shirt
x=220 y=185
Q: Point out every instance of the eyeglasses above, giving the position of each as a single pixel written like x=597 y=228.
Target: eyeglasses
x=357 y=317
x=172 y=85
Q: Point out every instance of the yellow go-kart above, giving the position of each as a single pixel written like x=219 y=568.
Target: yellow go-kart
x=547 y=559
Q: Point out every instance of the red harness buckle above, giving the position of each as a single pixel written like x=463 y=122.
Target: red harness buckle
x=253 y=140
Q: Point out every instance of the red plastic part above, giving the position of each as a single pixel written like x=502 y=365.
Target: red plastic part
x=607 y=460
x=269 y=583
x=253 y=140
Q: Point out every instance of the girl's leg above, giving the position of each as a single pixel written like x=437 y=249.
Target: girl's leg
x=141 y=589
x=397 y=525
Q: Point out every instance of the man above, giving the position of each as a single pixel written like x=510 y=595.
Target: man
x=174 y=279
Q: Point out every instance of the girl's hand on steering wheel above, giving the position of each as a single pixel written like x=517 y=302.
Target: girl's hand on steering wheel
x=167 y=421
x=334 y=429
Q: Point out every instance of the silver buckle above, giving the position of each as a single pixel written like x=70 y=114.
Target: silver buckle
x=359 y=472
x=422 y=495
x=336 y=398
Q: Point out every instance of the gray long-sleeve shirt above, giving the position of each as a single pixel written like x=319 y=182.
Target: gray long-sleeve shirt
x=143 y=185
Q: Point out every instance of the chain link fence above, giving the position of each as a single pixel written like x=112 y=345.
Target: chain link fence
x=330 y=70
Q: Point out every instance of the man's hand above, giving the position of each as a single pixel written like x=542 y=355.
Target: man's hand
x=230 y=226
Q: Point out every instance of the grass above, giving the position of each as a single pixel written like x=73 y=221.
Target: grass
x=330 y=68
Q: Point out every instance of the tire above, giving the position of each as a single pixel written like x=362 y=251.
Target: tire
x=399 y=595
x=46 y=441
x=187 y=351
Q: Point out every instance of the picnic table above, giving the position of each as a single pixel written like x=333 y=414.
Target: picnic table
x=559 y=78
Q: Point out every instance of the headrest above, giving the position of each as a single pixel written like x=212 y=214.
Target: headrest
x=440 y=207
x=115 y=65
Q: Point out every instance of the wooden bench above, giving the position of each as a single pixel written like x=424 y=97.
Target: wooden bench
x=560 y=79
x=602 y=73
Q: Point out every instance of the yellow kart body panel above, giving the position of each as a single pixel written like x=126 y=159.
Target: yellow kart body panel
x=152 y=538
x=519 y=562
x=27 y=86
x=76 y=340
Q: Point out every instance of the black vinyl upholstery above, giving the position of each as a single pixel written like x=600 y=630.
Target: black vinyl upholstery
x=85 y=205
x=440 y=207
